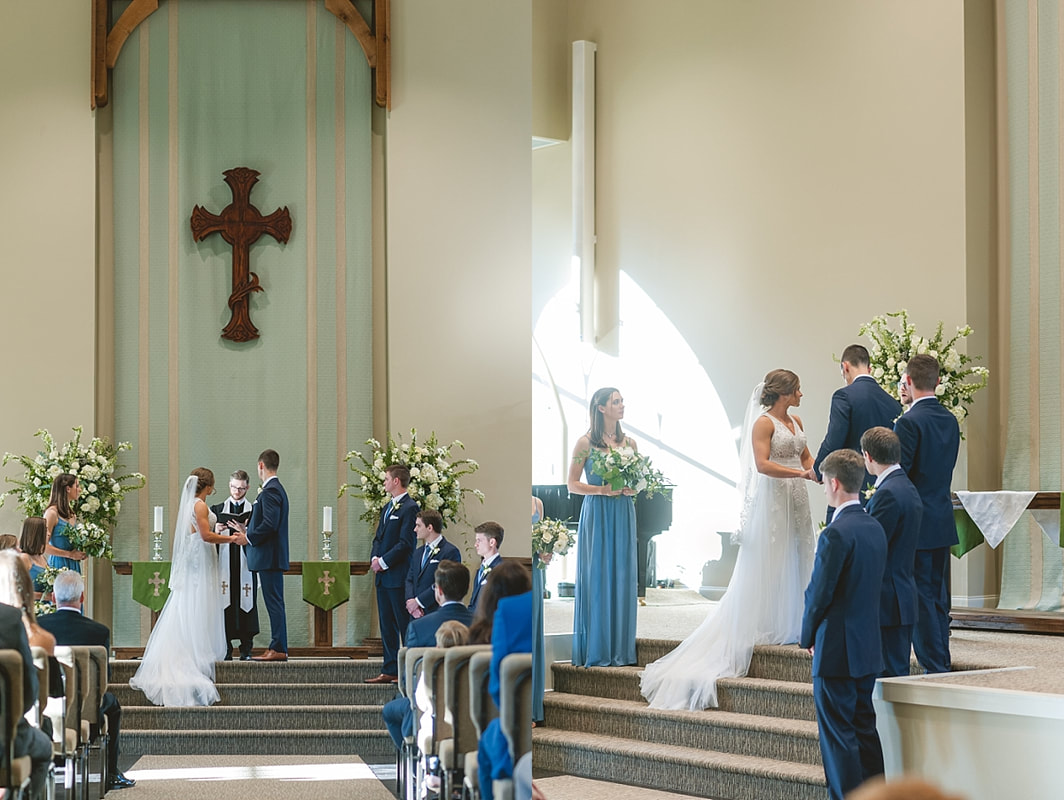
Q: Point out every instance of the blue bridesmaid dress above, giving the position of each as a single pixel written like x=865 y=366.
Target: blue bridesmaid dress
x=606 y=579
x=539 y=585
x=61 y=540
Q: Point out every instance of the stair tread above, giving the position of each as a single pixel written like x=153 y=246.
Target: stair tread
x=728 y=762
x=710 y=716
x=631 y=672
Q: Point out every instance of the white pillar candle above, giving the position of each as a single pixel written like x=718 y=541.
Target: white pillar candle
x=158 y=518
x=326 y=519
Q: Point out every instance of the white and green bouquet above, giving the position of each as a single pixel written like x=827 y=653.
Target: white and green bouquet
x=959 y=378
x=434 y=475
x=102 y=485
x=551 y=536
x=624 y=467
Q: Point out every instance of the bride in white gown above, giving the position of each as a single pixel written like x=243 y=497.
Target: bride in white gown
x=763 y=604
x=189 y=636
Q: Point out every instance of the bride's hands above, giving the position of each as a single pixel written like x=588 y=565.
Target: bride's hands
x=240 y=537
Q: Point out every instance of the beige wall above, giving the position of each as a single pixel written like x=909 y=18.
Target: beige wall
x=459 y=241
x=47 y=203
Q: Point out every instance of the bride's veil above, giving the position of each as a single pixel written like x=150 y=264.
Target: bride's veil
x=748 y=474
x=182 y=541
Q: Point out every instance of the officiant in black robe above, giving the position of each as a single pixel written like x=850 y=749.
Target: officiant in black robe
x=240 y=584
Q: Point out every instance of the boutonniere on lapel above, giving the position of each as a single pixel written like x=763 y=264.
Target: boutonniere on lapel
x=869 y=491
x=435 y=551
x=484 y=572
x=395 y=505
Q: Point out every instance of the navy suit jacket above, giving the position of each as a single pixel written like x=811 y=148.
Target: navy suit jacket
x=930 y=437
x=480 y=578
x=896 y=505
x=13 y=637
x=421 y=632
x=394 y=541
x=841 y=618
x=855 y=408
x=268 y=529
x=419 y=579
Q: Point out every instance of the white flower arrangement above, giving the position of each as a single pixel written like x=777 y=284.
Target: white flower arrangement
x=434 y=475
x=102 y=490
x=551 y=536
x=891 y=350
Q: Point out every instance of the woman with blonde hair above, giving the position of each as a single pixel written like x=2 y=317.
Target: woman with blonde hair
x=16 y=590
x=764 y=601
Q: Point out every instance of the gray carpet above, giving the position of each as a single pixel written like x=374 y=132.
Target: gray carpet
x=568 y=787
x=274 y=777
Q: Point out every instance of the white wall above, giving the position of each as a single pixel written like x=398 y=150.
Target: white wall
x=47 y=203
x=459 y=241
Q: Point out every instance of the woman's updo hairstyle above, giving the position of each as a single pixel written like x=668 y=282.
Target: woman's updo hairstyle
x=204 y=478
x=778 y=383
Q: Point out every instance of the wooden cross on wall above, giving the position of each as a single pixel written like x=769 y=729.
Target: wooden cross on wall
x=241 y=225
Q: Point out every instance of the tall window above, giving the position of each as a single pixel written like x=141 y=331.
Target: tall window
x=672 y=411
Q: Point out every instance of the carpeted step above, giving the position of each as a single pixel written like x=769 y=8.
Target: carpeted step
x=648 y=650
x=722 y=731
x=615 y=683
x=253 y=718
x=372 y=745
x=299 y=670
x=675 y=769
x=763 y=697
x=296 y=694
x=787 y=662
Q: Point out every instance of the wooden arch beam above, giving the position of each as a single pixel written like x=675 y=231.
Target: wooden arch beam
x=107 y=44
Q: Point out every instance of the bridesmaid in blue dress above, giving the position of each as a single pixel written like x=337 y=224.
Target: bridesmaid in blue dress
x=539 y=585
x=59 y=519
x=32 y=543
x=604 y=617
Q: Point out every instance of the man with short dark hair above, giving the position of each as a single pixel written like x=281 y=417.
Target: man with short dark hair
x=896 y=505
x=859 y=405
x=71 y=628
x=390 y=560
x=840 y=627
x=420 y=577
x=930 y=439
x=450 y=586
x=487 y=539
x=239 y=586
x=268 y=551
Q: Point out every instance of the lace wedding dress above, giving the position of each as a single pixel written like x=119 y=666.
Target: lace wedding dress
x=764 y=601
x=189 y=636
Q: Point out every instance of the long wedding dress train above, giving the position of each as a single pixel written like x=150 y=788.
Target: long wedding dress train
x=763 y=604
x=189 y=636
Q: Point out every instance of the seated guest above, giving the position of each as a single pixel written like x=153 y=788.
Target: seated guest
x=450 y=634
x=487 y=539
x=72 y=628
x=16 y=590
x=505 y=619
x=8 y=541
x=29 y=741
x=452 y=582
x=420 y=599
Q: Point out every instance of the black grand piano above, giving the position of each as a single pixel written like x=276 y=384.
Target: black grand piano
x=653 y=515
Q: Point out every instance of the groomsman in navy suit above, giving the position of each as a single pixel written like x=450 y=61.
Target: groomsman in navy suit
x=267 y=533
x=840 y=628
x=420 y=578
x=390 y=560
x=930 y=437
x=896 y=505
x=487 y=539
x=859 y=405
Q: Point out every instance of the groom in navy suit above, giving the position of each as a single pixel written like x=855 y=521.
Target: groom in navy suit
x=840 y=628
x=930 y=437
x=896 y=505
x=859 y=405
x=390 y=559
x=267 y=533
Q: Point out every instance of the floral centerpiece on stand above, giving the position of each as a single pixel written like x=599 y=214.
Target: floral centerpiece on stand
x=551 y=536
x=624 y=467
x=102 y=486
x=434 y=475
x=959 y=378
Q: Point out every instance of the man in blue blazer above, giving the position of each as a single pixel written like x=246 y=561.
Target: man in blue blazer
x=859 y=405
x=450 y=585
x=487 y=539
x=267 y=555
x=840 y=627
x=390 y=559
x=930 y=437
x=420 y=577
x=896 y=505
